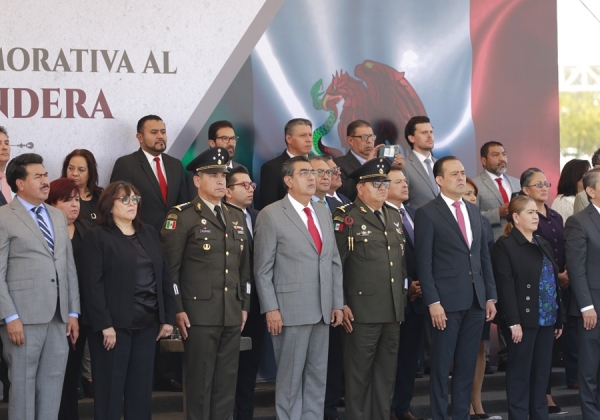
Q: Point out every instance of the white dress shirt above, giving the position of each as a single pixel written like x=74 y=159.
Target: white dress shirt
x=465 y=213
x=505 y=183
x=299 y=207
x=153 y=165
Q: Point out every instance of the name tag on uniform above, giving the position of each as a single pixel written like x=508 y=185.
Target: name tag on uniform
x=248 y=288
x=239 y=229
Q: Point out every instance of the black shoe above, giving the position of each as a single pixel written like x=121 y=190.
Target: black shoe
x=170 y=385
x=553 y=409
x=488 y=369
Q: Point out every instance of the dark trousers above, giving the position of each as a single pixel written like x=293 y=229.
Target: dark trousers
x=589 y=371
x=123 y=375
x=528 y=372
x=411 y=334
x=570 y=349
x=458 y=342
x=211 y=362
x=249 y=360
x=4 y=373
x=335 y=372
x=69 y=406
x=370 y=357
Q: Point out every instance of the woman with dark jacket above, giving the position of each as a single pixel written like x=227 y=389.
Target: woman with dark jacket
x=64 y=195
x=529 y=306
x=130 y=304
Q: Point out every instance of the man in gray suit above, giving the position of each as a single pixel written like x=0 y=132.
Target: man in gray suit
x=582 y=235
x=39 y=294
x=298 y=275
x=495 y=187
x=418 y=167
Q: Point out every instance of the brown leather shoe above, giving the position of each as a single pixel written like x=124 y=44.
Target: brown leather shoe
x=408 y=416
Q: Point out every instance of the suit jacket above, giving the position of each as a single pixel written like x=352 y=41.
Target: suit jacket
x=420 y=190
x=348 y=164
x=517 y=265
x=334 y=203
x=447 y=267
x=29 y=270
x=81 y=228
x=109 y=274
x=489 y=199
x=290 y=274
x=411 y=266
x=210 y=265
x=374 y=271
x=272 y=187
x=2 y=199
x=582 y=248
x=136 y=169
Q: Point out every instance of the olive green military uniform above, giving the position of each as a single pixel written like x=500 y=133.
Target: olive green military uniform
x=374 y=272
x=211 y=272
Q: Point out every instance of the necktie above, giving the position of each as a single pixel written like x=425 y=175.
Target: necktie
x=249 y=231
x=162 y=182
x=5 y=188
x=220 y=216
x=44 y=228
x=461 y=221
x=502 y=190
x=407 y=226
x=312 y=229
x=430 y=173
x=322 y=201
x=380 y=217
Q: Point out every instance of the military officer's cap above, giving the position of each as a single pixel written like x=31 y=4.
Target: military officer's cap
x=373 y=170
x=211 y=161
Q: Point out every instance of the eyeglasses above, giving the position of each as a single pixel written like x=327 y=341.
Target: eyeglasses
x=321 y=172
x=226 y=139
x=541 y=185
x=378 y=184
x=366 y=137
x=246 y=185
x=305 y=172
x=127 y=198
x=336 y=170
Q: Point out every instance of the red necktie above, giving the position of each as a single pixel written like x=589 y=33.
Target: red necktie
x=461 y=221
x=502 y=190
x=312 y=229
x=161 y=179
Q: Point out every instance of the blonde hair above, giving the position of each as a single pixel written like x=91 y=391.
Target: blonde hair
x=517 y=205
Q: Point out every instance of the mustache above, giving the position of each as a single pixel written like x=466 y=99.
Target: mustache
x=45 y=186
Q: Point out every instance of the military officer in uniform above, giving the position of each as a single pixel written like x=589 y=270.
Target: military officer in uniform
x=371 y=243
x=206 y=244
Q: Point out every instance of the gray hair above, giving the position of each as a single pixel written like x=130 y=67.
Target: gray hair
x=591 y=178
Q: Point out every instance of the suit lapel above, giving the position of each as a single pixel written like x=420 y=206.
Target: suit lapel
x=354 y=163
x=208 y=214
x=170 y=175
x=27 y=219
x=416 y=163
x=594 y=215
x=150 y=174
x=492 y=186
x=294 y=217
x=447 y=214
x=369 y=215
x=475 y=221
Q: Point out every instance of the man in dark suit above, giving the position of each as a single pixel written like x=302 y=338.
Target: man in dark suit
x=240 y=193
x=411 y=330
x=335 y=198
x=220 y=134
x=159 y=177
x=458 y=287
x=207 y=246
x=582 y=235
x=371 y=243
x=298 y=140
x=418 y=167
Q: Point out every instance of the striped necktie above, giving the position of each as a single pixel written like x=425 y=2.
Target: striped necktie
x=44 y=227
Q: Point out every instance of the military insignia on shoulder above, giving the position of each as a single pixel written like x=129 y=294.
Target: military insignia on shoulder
x=346 y=207
x=170 y=224
x=362 y=209
x=233 y=206
x=172 y=216
x=183 y=206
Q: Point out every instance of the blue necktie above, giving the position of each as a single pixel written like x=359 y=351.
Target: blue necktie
x=407 y=226
x=44 y=228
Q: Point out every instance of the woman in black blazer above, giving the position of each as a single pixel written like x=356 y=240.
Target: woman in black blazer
x=64 y=195
x=529 y=306
x=130 y=304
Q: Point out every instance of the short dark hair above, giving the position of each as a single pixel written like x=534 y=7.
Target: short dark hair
x=396 y=168
x=322 y=158
x=527 y=175
x=570 y=175
x=289 y=126
x=470 y=181
x=596 y=158
x=354 y=125
x=438 y=166
x=483 y=152
x=229 y=177
x=287 y=169
x=142 y=121
x=17 y=168
x=411 y=126
x=107 y=200
x=216 y=126
x=62 y=189
x=92 y=183
x=3 y=130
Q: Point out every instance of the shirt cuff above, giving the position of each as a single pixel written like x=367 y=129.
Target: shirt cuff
x=73 y=314
x=587 y=308
x=11 y=318
x=492 y=300
x=434 y=303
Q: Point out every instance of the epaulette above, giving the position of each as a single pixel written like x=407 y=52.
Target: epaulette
x=233 y=206
x=183 y=206
x=346 y=207
x=389 y=206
